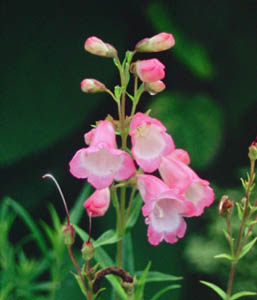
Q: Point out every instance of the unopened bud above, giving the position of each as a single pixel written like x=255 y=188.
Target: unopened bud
x=91 y=85
x=87 y=251
x=129 y=287
x=253 y=150
x=96 y=46
x=68 y=234
x=154 y=87
x=225 y=206
x=160 y=42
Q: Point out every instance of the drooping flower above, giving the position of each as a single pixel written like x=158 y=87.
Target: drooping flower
x=164 y=210
x=102 y=162
x=177 y=174
x=149 y=141
x=160 y=42
x=154 y=87
x=149 y=70
x=181 y=155
x=90 y=85
x=98 y=203
x=96 y=46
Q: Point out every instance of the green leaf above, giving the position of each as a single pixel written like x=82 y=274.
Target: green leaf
x=29 y=222
x=77 y=211
x=224 y=255
x=165 y=290
x=241 y=294
x=239 y=210
x=135 y=211
x=217 y=289
x=247 y=248
x=79 y=281
x=158 y=276
x=108 y=237
x=104 y=260
x=139 y=294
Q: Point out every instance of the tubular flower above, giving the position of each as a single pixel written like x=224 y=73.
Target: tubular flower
x=98 y=203
x=102 y=162
x=177 y=174
x=149 y=70
x=159 y=42
x=96 y=46
x=164 y=210
x=149 y=141
x=91 y=85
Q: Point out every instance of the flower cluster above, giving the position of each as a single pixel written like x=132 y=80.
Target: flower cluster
x=179 y=192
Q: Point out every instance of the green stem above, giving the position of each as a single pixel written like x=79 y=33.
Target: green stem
x=88 y=295
x=240 y=243
x=132 y=196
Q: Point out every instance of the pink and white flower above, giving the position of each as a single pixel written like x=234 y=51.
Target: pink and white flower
x=159 y=42
x=177 y=174
x=149 y=141
x=102 y=162
x=98 y=203
x=164 y=210
x=149 y=70
x=96 y=46
x=90 y=85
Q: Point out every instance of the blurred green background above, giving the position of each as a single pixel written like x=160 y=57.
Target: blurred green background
x=209 y=107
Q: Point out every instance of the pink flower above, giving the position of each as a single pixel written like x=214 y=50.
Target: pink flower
x=177 y=174
x=98 y=203
x=91 y=85
x=160 y=42
x=96 y=46
x=102 y=162
x=149 y=70
x=164 y=210
x=149 y=141
x=181 y=155
x=154 y=87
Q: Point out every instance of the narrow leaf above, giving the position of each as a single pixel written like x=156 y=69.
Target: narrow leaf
x=128 y=253
x=165 y=290
x=241 y=294
x=139 y=294
x=29 y=222
x=134 y=214
x=247 y=248
x=158 y=276
x=77 y=210
x=108 y=237
x=224 y=255
x=217 y=289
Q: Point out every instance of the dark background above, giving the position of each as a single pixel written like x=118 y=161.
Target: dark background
x=209 y=105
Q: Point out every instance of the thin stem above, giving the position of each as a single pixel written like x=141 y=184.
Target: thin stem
x=88 y=296
x=240 y=243
x=61 y=194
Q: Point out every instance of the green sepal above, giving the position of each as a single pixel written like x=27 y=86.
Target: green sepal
x=165 y=290
x=117 y=92
x=241 y=294
x=247 y=248
x=215 y=288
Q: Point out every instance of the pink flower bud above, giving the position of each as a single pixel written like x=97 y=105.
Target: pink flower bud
x=160 y=42
x=154 y=87
x=98 y=203
x=96 y=46
x=90 y=85
x=149 y=70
